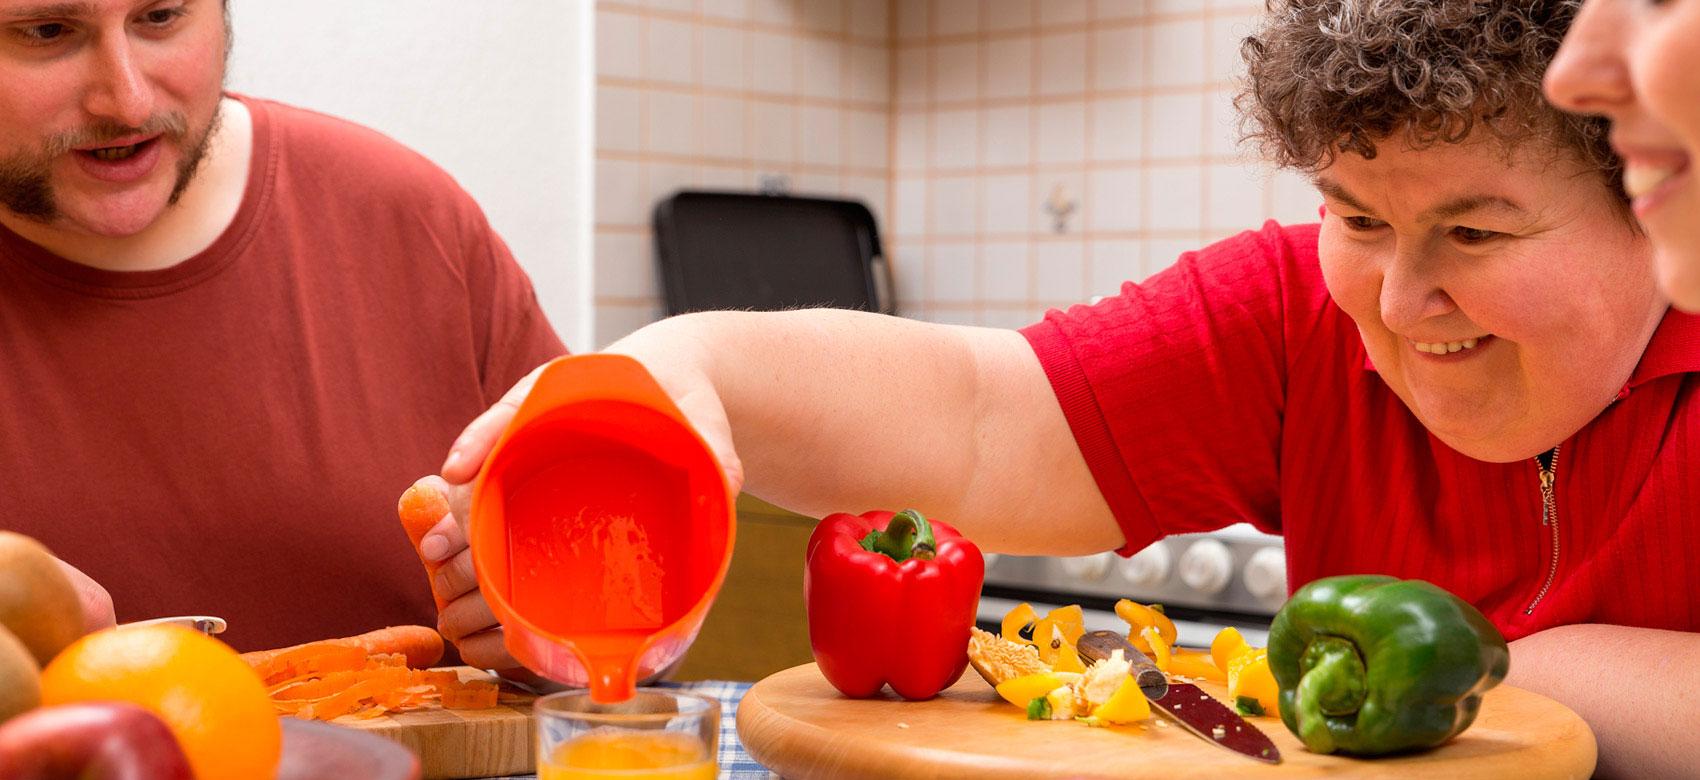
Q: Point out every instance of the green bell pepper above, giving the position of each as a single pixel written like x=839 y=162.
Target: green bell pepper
x=1369 y=664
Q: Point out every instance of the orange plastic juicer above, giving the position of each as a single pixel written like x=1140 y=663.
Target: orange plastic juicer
x=601 y=527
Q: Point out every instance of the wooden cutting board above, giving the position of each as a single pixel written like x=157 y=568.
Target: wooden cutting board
x=796 y=724
x=464 y=743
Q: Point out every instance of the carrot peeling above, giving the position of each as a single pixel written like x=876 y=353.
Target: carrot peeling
x=366 y=676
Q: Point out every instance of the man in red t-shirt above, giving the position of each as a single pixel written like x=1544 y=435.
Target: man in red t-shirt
x=1464 y=374
x=234 y=332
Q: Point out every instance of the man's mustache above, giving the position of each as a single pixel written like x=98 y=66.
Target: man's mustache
x=173 y=124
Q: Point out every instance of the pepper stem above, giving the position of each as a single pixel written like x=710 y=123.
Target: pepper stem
x=1331 y=683
x=907 y=535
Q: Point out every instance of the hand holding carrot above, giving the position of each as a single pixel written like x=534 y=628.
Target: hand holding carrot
x=434 y=514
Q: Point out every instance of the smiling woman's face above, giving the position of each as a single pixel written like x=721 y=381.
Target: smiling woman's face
x=1636 y=62
x=1506 y=301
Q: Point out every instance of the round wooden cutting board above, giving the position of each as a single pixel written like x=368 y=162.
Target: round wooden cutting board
x=796 y=724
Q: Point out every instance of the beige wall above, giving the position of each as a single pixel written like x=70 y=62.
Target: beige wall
x=955 y=120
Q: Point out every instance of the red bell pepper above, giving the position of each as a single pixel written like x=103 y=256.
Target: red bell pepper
x=891 y=598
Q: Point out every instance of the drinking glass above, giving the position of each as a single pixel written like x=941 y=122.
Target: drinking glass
x=658 y=734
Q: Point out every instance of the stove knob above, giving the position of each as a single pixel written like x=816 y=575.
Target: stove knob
x=1207 y=566
x=1090 y=568
x=1266 y=574
x=1149 y=567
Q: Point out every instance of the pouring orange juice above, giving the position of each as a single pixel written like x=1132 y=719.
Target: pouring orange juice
x=601 y=527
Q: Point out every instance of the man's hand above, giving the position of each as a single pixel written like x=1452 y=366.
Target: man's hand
x=96 y=602
x=465 y=619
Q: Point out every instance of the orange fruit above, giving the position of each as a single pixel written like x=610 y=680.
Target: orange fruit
x=209 y=697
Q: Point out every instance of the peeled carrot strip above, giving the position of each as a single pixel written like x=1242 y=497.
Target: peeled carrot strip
x=316 y=659
x=316 y=689
x=348 y=701
x=365 y=677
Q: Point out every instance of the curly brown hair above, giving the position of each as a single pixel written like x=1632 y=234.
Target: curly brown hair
x=1326 y=77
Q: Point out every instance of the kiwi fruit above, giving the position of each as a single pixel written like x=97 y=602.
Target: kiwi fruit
x=20 y=677
x=38 y=603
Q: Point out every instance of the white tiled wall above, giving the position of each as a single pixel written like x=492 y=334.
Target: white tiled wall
x=957 y=121
x=1122 y=109
x=724 y=94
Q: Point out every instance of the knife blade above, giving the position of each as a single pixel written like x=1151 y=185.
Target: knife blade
x=205 y=624
x=1183 y=703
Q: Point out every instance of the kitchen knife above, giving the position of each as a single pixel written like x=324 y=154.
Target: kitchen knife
x=1183 y=703
x=205 y=624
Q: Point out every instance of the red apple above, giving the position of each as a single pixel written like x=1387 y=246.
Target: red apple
x=90 y=741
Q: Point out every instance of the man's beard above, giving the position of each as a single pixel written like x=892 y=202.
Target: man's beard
x=25 y=188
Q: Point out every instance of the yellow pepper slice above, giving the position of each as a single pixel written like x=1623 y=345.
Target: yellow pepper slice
x=1055 y=636
x=1016 y=620
x=1071 y=614
x=1249 y=677
x=1227 y=644
x=1159 y=650
x=1126 y=705
x=1140 y=617
x=1195 y=663
x=1060 y=630
x=1068 y=660
x=1028 y=687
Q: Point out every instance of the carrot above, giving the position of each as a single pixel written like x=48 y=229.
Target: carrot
x=471 y=695
x=421 y=645
x=421 y=508
x=376 y=690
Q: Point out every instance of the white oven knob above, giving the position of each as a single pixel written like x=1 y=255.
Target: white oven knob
x=1207 y=566
x=1266 y=574
x=1149 y=567
x=1090 y=568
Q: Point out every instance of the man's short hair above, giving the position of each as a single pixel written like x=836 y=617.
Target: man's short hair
x=1327 y=77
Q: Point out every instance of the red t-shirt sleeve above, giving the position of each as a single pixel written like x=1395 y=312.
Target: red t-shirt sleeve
x=1174 y=389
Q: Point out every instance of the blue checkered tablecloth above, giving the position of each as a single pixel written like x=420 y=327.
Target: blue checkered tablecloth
x=735 y=764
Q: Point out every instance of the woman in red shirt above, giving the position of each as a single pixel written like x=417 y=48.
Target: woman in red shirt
x=1466 y=373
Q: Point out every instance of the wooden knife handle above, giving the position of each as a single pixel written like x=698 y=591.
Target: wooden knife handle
x=1098 y=645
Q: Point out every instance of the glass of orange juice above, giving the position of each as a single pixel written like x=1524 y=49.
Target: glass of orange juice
x=658 y=733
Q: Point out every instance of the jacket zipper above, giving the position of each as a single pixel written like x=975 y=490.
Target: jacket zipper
x=1549 y=518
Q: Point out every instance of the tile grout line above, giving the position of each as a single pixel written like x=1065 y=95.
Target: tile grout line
x=981 y=196
x=1204 y=188
x=1089 y=201
x=892 y=258
x=1146 y=127
x=1034 y=187
x=930 y=86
